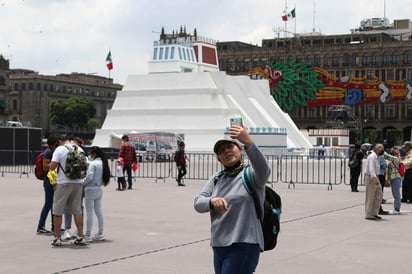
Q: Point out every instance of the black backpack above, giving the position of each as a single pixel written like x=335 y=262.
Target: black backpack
x=272 y=208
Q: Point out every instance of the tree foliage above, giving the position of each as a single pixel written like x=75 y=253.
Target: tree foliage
x=73 y=113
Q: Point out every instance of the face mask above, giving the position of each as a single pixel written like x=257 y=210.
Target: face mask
x=90 y=158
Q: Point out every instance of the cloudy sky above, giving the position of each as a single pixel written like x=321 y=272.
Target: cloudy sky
x=64 y=36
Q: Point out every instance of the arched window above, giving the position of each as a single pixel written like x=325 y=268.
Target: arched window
x=376 y=59
x=395 y=58
x=406 y=57
x=346 y=60
x=336 y=60
x=365 y=59
x=316 y=61
x=327 y=60
x=386 y=58
x=355 y=59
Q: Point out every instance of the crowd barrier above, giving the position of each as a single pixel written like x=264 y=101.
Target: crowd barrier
x=290 y=169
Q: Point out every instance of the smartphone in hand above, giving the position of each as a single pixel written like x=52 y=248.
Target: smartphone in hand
x=236 y=121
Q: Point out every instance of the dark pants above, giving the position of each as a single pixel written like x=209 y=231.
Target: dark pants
x=239 y=258
x=181 y=172
x=354 y=178
x=407 y=186
x=128 y=169
x=48 y=203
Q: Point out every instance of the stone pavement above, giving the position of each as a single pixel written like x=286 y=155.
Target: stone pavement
x=154 y=229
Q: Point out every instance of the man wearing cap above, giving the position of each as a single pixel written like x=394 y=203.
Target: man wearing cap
x=128 y=153
x=407 y=179
x=236 y=232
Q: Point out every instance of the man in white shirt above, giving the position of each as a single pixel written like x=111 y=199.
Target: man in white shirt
x=68 y=193
x=374 y=194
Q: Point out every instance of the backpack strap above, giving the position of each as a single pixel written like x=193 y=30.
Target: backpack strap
x=217 y=177
x=247 y=183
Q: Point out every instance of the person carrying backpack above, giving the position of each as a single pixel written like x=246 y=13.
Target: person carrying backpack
x=69 y=187
x=52 y=143
x=355 y=167
x=236 y=231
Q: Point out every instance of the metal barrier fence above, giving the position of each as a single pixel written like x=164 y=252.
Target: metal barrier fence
x=291 y=169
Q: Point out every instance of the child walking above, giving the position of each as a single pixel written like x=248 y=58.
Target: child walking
x=121 y=181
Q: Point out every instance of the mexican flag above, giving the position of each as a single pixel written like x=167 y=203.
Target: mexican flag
x=292 y=14
x=109 y=62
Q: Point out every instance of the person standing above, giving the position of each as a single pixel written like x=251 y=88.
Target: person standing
x=98 y=174
x=382 y=172
x=52 y=143
x=373 y=196
x=68 y=193
x=128 y=153
x=236 y=232
x=407 y=179
x=356 y=169
x=180 y=159
x=394 y=177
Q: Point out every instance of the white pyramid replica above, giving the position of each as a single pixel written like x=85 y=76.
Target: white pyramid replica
x=198 y=103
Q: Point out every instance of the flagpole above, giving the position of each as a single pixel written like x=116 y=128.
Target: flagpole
x=286 y=22
x=295 y=19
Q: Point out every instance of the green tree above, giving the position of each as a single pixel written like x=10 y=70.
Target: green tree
x=73 y=113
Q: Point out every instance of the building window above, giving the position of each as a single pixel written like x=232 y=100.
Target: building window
x=180 y=53
x=376 y=59
x=188 y=55
x=409 y=112
x=23 y=86
x=346 y=60
x=166 y=56
x=38 y=86
x=395 y=58
x=160 y=53
x=155 y=54
x=407 y=57
x=336 y=60
x=30 y=86
x=386 y=58
x=15 y=103
x=390 y=74
x=255 y=62
x=327 y=61
x=390 y=112
x=335 y=141
x=172 y=53
x=365 y=59
x=246 y=64
x=316 y=61
x=355 y=60
x=16 y=86
x=313 y=113
x=193 y=56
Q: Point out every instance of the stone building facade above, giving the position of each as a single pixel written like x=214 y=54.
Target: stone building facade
x=26 y=95
x=383 y=55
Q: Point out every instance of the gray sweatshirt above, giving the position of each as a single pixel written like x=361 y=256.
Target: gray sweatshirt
x=239 y=224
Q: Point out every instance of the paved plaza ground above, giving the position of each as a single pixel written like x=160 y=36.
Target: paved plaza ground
x=154 y=229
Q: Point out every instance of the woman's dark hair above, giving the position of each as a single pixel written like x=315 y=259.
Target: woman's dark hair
x=106 y=170
x=52 y=140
